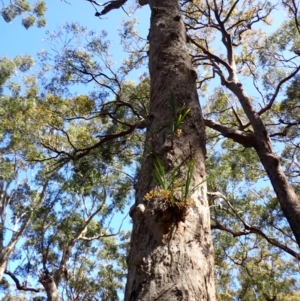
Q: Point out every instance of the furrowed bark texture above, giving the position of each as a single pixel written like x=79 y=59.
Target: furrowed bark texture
x=171 y=255
x=286 y=195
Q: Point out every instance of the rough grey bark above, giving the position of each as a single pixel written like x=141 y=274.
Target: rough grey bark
x=171 y=252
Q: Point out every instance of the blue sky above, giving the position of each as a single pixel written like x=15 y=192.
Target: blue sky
x=17 y=40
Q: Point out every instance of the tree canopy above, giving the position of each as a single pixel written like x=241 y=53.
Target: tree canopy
x=72 y=138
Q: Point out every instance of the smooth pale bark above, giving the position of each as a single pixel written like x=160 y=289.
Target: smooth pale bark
x=2 y=269
x=50 y=286
x=171 y=256
x=5 y=252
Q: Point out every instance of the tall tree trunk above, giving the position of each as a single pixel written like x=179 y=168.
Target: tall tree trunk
x=171 y=253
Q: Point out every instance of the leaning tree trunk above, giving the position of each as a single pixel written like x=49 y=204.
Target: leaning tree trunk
x=171 y=252
x=286 y=195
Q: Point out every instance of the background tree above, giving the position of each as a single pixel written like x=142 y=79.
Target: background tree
x=19 y=196
x=247 y=56
x=250 y=60
x=69 y=220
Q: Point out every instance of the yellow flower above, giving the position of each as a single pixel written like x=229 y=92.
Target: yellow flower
x=165 y=194
x=179 y=132
x=157 y=193
x=177 y=183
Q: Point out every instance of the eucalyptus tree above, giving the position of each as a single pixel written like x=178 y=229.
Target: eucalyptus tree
x=171 y=254
x=70 y=240
x=249 y=106
x=19 y=200
x=170 y=215
x=258 y=256
x=246 y=52
x=21 y=194
x=171 y=206
x=61 y=219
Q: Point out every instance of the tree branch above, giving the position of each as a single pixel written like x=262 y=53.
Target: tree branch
x=247 y=228
x=19 y=286
x=108 y=6
x=253 y=230
x=212 y=56
x=247 y=139
x=269 y=105
x=67 y=250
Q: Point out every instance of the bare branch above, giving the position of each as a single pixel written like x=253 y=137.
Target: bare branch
x=247 y=139
x=212 y=56
x=94 y=2
x=247 y=228
x=230 y=11
x=104 y=235
x=226 y=40
x=294 y=9
x=241 y=126
x=108 y=6
x=269 y=105
x=253 y=230
x=19 y=286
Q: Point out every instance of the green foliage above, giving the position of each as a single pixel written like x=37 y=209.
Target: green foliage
x=174 y=186
x=22 y=7
x=24 y=63
x=179 y=115
x=7 y=69
x=28 y=21
x=40 y=8
x=159 y=174
x=55 y=140
x=73 y=219
x=188 y=188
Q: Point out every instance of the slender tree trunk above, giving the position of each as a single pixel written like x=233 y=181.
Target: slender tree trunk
x=4 y=257
x=286 y=195
x=171 y=253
